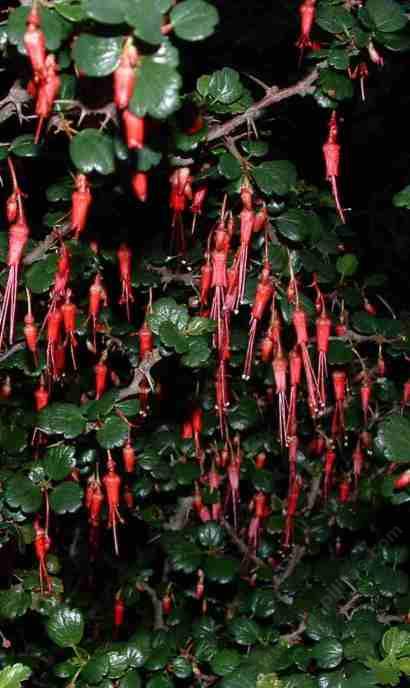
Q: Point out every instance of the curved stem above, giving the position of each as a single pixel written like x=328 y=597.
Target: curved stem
x=273 y=95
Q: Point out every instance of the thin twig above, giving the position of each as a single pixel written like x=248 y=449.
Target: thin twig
x=294 y=636
x=242 y=546
x=296 y=556
x=156 y=603
x=313 y=494
x=167 y=275
x=20 y=346
x=350 y=605
x=51 y=238
x=141 y=373
x=274 y=95
x=179 y=519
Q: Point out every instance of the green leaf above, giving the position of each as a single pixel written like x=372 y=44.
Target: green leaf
x=404 y=665
x=229 y=166
x=338 y=58
x=60 y=190
x=106 y=12
x=334 y=19
x=198 y=353
x=199 y=326
x=59 y=461
x=270 y=681
x=257 y=149
x=92 y=151
x=118 y=662
x=278 y=257
x=65 y=627
x=322 y=625
x=245 y=631
x=225 y=661
x=386 y=673
x=14 y=603
x=396 y=642
x=171 y=337
x=181 y=667
x=245 y=415
x=167 y=310
x=66 y=498
x=74 y=13
x=160 y=681
x=402 y=198
x=334 y=679
x=129 y=407
x=263 y=603
x=146 y=158
x=221 y=570
x=12 y=676
x=211 y=535
x=399 y=41
x=387 y=15
x=54 y=27
x=99 y=408
x=240 y=678
x=185 y=557
x=186 y=473
x=328 y=653
x=292 y=224
x=194 y=20
x=131 y=679
x=158 y=87
x=21 y=493
x=113 y=433
x=339 y=353
x=347 y=265
x=60 y=418
x=24 y=147
x=225 y=86
x=146 y=18
x=96 y=669
x=276 y=176
x=97 y=55
x=393 y=439
x=335 y=84
x=40 y=276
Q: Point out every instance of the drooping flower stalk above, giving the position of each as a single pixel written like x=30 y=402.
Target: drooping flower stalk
x=264 y=293
x=330 y=458
x=300 y=325
x=247 y=221
x=295 y=370
x=291 y=509
x=339 y=379
x=69 y=312
x=331 y=152
x=280 y=367
x=112 y=483
x=181 y=192
x=219 y=284
x=323 y=329
x=124 y=255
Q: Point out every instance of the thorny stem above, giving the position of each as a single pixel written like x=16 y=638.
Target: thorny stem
x=42 y=248
x=181 y=515
x=274 y=95
x=140 y=373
